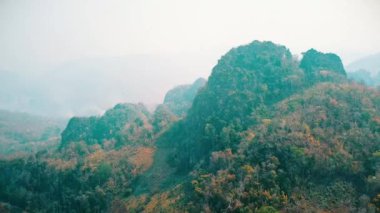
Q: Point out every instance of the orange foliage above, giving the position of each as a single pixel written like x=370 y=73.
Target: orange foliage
x=142 y=159
x=60 y=164
x=160 y=202
x=93 y=160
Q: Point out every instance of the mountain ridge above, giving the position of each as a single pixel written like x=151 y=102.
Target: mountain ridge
x=265 y=133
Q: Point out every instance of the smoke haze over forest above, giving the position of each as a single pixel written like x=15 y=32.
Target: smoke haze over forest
x=134 y=51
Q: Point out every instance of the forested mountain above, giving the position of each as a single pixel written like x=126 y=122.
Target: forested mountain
x=98 y=160
x=131 y=123
x=265 y=133
x=179 y=99
x=245 y=83
x=116 y=125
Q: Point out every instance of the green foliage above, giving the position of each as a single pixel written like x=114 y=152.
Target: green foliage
x=322 y=67
x=81 y=184
x=103 y=173
x=267 y=209
x=322 y=133
x=376 y=154
x=241 y=91
x=267 y=133
x=246 y=78
x=163 y=118
x=119 y=123
x=316 y=151
x=179 y=99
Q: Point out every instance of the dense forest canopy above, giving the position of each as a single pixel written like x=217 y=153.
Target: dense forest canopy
x=265 y=133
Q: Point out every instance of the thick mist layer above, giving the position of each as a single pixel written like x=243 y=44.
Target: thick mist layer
x=90 y=86
x=67 y=58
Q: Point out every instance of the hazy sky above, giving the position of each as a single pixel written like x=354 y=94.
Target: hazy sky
x=39 y=37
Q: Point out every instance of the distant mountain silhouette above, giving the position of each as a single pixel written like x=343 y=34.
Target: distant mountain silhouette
x=370 y=63
x=366 y=70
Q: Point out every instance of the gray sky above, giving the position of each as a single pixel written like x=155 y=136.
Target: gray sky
x=38 y=38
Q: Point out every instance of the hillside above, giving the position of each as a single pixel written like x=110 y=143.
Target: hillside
x=127 y=124
x=117 y=125
x=265 y=133
x=315 y=151
x=99 y=159
x=268 y=132
x=245 y=83
x=24 y=133
x=179 y=99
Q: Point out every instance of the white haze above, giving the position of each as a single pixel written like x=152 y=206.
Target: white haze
x=65 y=58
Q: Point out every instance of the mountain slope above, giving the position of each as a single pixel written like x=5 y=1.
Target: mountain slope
x=315 y=151
x=132 y=123
x=25 y=133
x=180 y=98
x=245 y=83
x=99 y=161
x=125 y=123
x=266 y=133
